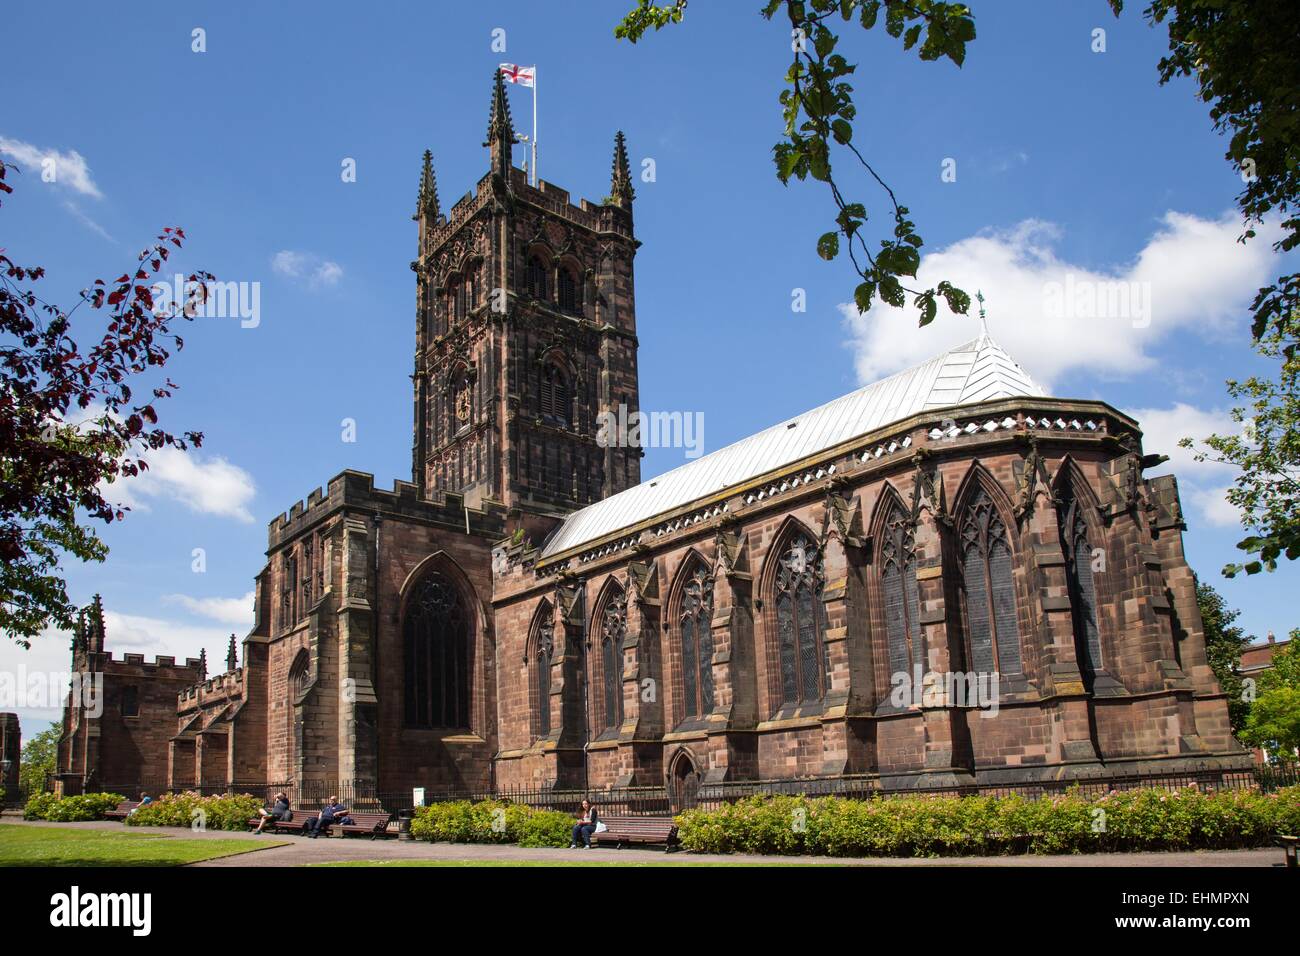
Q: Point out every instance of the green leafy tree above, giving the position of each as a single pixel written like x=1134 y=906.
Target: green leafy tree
x=1266 y=453
x=819 y=114
x=1223 y=646
x=39 y=757
x=1274 y=721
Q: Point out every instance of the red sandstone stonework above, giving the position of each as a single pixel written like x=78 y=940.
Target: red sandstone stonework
x=525 y=334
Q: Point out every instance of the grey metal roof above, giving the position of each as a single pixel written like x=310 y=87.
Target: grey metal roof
x=976 y=371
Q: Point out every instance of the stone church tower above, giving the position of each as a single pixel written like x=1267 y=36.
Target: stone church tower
x=525 y=334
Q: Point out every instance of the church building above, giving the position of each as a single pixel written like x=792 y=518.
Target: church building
x=821 y=600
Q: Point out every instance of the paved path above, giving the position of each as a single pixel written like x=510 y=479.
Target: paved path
x=301 y=851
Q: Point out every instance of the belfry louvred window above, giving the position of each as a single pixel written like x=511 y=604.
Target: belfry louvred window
x=899 y=591
x=695 y=630
x=570 y=293
x=612 y=631
x=554 y=398
x=989 y=589
x=799 y=625
x=436 y=634
x=1079 y=574
x=535 y=278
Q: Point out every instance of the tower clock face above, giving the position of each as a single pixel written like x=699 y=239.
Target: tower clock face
x=463 y=404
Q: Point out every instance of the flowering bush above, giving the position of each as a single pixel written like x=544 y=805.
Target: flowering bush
x=86 y=806
x=226 y=812
x=945 y=826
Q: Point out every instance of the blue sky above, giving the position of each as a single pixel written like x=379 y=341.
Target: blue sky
x=1069 y=163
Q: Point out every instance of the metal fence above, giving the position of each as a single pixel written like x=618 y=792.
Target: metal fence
x=662 y=801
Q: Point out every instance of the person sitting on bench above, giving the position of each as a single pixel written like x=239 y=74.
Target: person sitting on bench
x=585 y=827
x=278 y=813
x=332 y=812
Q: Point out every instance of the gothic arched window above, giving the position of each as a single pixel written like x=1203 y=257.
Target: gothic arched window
x=471 y=289
x=436 y=634
x=613 y=628
x=798 y=589
x=990 y=589
x=554 y=400
x=300 y=674
x=899 y=591
x=570 y=291
x=695 y=621
x=1078 y=570
x=458 y=298
x=543 y=651
x=535 y=278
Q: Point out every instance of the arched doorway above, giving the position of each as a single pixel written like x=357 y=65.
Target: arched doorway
x=683 y=782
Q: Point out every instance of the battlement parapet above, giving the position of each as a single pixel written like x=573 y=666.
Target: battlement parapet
x=356 y=491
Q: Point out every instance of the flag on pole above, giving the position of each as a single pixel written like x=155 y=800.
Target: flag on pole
x=523 y=75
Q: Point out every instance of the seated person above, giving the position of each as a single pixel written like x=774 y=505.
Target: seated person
x=332 y=812
x=279 y=812
x=585 y=827
x=145 y=800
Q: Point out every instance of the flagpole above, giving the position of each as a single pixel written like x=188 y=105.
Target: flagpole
x=534 y=126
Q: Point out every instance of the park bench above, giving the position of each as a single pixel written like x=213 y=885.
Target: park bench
x=624 y=831
x=1288 y=845
x=296 y=825
x=122 y=810
x=365 y=824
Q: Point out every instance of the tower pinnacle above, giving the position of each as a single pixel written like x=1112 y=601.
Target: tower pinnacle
x=620 y=182
x=427 y=203
x=501 y=131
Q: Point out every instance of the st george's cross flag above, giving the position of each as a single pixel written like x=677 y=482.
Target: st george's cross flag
x=523 y=75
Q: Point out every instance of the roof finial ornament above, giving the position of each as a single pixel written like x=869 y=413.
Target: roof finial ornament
x=984 y=325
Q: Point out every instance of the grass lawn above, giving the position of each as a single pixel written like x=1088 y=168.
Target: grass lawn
x=51 y=846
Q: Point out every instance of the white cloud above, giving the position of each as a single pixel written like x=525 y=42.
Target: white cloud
x=151 y=636
x=1202 y=484
x=237 y=612
x=69 y=169
x=212 y=486
x=316 y=271
x=40 y=675
x=1192 y=275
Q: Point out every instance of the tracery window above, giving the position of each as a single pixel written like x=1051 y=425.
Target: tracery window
x=613 y=628
x=436 y=634
x=899 y=591
x=799 y=621
x=1079 y=576
x=989 y=589
x=695 y=631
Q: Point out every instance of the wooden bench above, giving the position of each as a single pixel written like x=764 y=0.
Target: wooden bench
x=366 y=824
x=1288 y=845
x=624 y=831
x=297 y=825
x=122 y=810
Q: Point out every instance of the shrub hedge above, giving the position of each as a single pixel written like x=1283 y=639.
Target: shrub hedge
x=491 y=821
x=86 y=806
x=942 y=826
x=226 y=812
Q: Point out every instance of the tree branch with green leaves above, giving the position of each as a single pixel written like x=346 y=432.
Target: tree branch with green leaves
x=818 y=110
